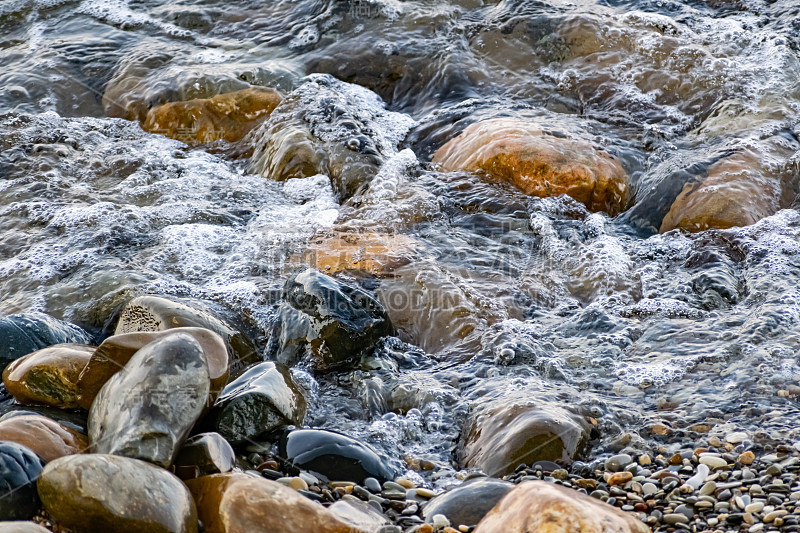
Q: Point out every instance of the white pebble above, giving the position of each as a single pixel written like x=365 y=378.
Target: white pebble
x=713 y=462
x=439 y=521
x=697 y=480
x=736 y=437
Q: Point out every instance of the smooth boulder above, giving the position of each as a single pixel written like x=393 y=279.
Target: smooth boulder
x=501 y=435
x=328 y=127
x=45 y=437
x=204 y=454
x=25 y=333
x=333 y=456
x=155 y=313
x=328 y=321
x=468 y=503
x=538 y=163
x=114 y=353
x=49 y=376
x=147 y=409
x=228 y=116
x=737 y=190
x=19 y=469
x=542 y=507
x=240 y=503
x=92 y=493
x=261 y=399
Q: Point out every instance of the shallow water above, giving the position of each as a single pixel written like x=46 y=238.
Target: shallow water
x=506 y=296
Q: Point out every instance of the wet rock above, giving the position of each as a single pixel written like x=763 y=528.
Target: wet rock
x=541 y=507
x=239 y=503
x=500 y=436
x=21 y=527
x=47 y=438
x=360 y=514
x=377 y=253
x=147 y=409
x=738 y=190
x=19 y=470
x=333 y=456
x=331 y=322
x=91 y=493
x=538 y=163
x=467 y=504
x=258 y=401
x=154 y=313
x=48 y=376
x=228 y=116
x=115 y=352
x=204 y=454
x=327 y=127
x=26 y=333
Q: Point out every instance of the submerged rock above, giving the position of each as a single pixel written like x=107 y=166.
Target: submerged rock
x=228 y=116
x=115 y=352
x=147 y=409
x=538 y=163
x=467 y=504
x=92 y=493
x=239 y=503
x=328 y=127
x=154 y=313
x=48 y=376
x=738 y=190
x=26 y=333
x=500 y=436
x=332 y=322
x=333 y=456
x=542 y=507
x=204 y=454
x=376 y=253
x=19 y=470
x=258 y=401
x=47 y=438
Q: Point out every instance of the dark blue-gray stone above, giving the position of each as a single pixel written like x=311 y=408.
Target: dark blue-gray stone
x=468 y=503
x=19 y=470
x=25 y=333
x=333 y=456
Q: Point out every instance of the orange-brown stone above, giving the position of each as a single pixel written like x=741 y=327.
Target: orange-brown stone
x=228 y=116
x=738 y=190
x=117 y=350
x=240 y=503
x=539 y=164
x=47 y=438
x=48 y=376
x=542 y=507
x=377 y=253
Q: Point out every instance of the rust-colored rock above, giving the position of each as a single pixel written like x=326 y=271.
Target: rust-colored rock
x=500 y=436
x=542 y=507
x=240 y=503
x=738 y=190
x=620 y=478
x=377 y=253
x=116 y=351
x=47 y=438
x=228 y=116
x=539 y=164
x=48 y=376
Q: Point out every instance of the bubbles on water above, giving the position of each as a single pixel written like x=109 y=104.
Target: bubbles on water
x=307 y=36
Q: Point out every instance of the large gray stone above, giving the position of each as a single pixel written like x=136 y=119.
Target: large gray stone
x=147 y=409
x=467 y=504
